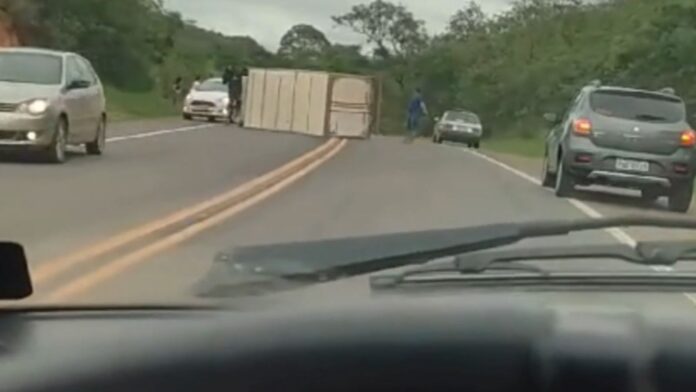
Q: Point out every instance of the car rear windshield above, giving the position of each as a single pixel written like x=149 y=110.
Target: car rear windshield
x=642 y=106
x=212 y=85
x=462 y=117
x=32 y=68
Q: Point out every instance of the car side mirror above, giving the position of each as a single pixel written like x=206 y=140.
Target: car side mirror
x=437 y=119
x=15 y=281
x=551 y=118
x=78 y=84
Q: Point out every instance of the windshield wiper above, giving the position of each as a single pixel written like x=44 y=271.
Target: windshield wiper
x=644 y=254
x=317 y=261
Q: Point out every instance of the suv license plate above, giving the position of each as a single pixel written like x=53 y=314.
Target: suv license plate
x=629 y=165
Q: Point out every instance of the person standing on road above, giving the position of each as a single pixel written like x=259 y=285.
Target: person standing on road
x=233 y=79
x=416 y=110
x=177 y=89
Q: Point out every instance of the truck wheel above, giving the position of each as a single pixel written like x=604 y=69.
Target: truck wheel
x=477 y=145
x=187 y=116
x=565 y=183
x=680 y=197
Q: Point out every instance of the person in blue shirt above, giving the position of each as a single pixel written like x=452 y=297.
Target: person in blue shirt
x=416 y=110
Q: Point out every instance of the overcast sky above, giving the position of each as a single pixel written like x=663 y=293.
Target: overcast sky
x=267 y=20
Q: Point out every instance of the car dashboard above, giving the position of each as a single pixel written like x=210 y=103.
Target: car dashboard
x=446 y=343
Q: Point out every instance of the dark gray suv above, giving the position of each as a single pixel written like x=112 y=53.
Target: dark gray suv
x=623 y=137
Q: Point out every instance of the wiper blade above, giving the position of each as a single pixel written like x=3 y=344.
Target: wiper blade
x=502 y=235
x=311 y=262
x=644 y=254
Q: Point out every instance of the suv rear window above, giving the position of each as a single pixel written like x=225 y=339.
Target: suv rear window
x=641 y=106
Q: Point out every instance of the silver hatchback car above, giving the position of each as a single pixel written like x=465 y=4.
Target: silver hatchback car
x=49 y=100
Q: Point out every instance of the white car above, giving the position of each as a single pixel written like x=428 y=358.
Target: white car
x=209 y=99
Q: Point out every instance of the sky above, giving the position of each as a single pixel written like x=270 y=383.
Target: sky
x=267 y=20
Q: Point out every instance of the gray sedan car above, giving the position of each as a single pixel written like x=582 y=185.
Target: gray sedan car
x=458 y=126
x=49 y=100
x=623 y=137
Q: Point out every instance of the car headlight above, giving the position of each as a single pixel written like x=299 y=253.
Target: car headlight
x=35 y=106
x=188 y=98
x=224 y=101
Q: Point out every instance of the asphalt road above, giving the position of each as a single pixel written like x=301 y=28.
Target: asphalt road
x=150 y=169
x=376 y=186
x=372 y=187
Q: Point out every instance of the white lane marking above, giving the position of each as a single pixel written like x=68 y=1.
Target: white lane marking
x=618 y=234
x=690 y=297
x=157 y=133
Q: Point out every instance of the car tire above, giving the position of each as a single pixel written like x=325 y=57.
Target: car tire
x=680 y=197
x=565 y=183
x=187 y=116
x=212 y=119
x=56 y=150
x=548 y=180
x=477 y=145
x=98 y=146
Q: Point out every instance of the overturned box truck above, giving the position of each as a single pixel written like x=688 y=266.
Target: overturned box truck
x=311 y=102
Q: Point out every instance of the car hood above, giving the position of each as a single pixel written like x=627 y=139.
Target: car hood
x=207 y=95
x=20 y=92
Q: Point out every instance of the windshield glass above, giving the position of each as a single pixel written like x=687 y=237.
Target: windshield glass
x=461 y=117
x=638 y=106
x=212 y=85
x=31 y=68
x=207 y=142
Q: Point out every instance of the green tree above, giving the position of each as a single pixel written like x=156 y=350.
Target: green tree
x=303 y=42
x=467 y=21
x=391 y=28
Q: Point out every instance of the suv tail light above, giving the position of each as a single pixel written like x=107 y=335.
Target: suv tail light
x=687 y=138
x=582 y=127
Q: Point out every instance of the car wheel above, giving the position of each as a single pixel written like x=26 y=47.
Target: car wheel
x=98 y=146
x=187 y=116
x=548 y=180
x=56 y=150
x=212 y=119
x=565 y=183
x=680 y=197
x=477 y=145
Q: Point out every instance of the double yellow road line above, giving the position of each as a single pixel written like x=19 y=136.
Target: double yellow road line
x=137 y=245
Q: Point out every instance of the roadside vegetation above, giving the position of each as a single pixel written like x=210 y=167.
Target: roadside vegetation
x=509 y=68
x=137 y=46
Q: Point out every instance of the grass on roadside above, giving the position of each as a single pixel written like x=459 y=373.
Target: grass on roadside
x=125 y=105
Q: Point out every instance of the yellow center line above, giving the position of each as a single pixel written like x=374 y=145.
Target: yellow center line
x=53 y=268
x=119 y=265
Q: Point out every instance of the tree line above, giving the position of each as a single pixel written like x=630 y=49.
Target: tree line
x=510 y=68
x=135 y=45
x=514 y=66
